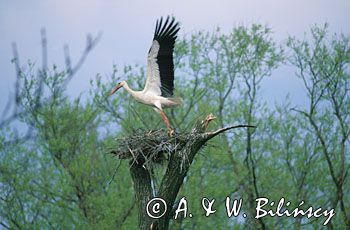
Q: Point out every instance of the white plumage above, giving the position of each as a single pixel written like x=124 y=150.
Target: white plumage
x=159 y=87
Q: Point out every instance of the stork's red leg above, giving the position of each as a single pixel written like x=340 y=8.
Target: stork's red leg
x=166 y=120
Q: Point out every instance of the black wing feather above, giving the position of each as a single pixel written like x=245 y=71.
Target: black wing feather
x=165 y=34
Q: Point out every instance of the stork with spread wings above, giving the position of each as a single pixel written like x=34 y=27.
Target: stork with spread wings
x=159 y=87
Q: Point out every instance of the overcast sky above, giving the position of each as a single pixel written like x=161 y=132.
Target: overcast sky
x=127 y=28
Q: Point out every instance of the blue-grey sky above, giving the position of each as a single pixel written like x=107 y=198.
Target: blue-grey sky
x=127 y=28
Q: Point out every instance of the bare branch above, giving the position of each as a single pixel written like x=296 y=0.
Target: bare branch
x=210 y=135
x=72 y=70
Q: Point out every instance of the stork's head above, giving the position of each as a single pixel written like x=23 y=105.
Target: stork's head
x=119 y=85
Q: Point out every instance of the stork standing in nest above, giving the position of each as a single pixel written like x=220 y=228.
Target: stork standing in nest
x=159 y=87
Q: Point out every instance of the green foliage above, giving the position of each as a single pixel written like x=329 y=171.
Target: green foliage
x=61 y=175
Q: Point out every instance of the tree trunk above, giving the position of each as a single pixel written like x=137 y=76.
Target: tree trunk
x=150 y=147
x=143 y=190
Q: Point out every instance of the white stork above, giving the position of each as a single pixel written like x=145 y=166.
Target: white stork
x=159 y=87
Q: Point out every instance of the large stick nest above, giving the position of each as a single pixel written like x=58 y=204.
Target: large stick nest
x=145 y=146
x=155 y=146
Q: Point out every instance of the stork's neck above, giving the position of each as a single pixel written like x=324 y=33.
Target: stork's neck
x=132 y=92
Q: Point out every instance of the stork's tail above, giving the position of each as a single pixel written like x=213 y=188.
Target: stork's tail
x=174 y=101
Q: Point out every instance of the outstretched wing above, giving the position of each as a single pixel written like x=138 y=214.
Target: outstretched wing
x=160 y=65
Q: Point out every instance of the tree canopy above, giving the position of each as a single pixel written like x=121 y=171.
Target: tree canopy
x=56 y=166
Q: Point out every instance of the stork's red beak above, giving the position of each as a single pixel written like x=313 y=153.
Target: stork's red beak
x=115 y=89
